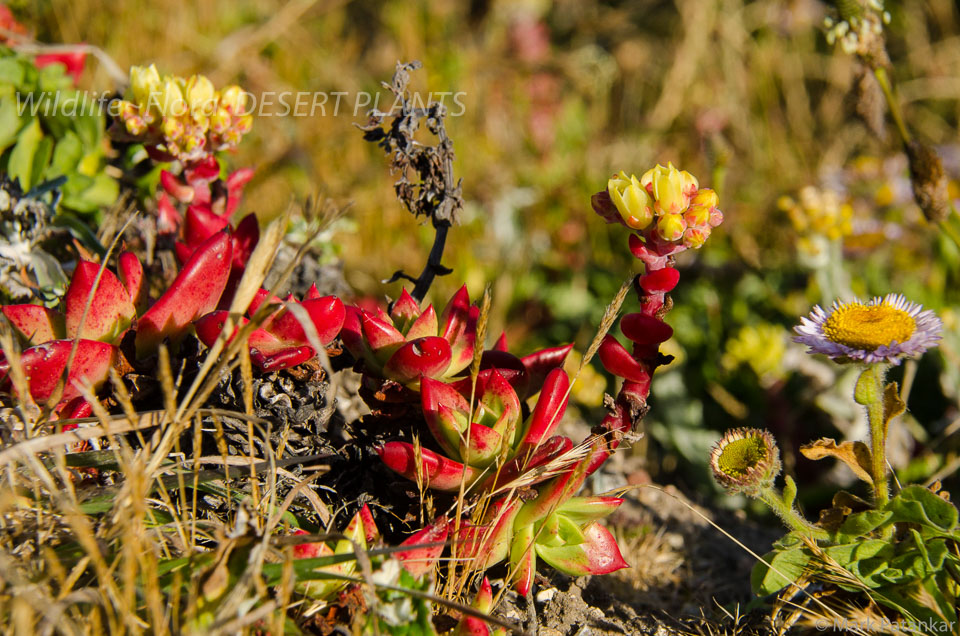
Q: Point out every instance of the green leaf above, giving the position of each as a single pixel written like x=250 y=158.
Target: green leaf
x=21 y=158
x=778 y=569
x=861 y=523
x=850 y=553
x=9 y=121
x=916 y=504
x=11 y=71
x=66 y=155
x=789 y=491
x=41 y=157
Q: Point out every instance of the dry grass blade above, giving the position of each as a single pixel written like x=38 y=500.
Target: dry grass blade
x=609 y=317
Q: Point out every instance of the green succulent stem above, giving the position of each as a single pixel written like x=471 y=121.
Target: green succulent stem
x=789 y=515
x=869 y=393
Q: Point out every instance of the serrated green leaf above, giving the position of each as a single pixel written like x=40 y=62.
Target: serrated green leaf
x=778 y=569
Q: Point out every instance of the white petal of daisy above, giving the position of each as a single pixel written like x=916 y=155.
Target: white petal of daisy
x=885 y=329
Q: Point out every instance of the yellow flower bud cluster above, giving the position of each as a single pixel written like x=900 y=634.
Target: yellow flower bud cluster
x=188 y=118
x=666 y=204
x=819 y=213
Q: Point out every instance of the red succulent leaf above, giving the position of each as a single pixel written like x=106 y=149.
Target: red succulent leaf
x=507 y=365
x=310 y=550
x=206 y=169
x=489 y=544
x=425 y=324
x=208 y=327
x=597 y=554
x=283 y=359
x=434 y=393
x=496 y=395
x=500 y=345
x=176 y=188
x=603 y=205
x=405 y=310
x=420 y=560
x=245 y=239
x=352 y=333
x=168 y=218
x=370 y=531
x=200 y=224
x=645 y=329
x=529 y=458
x=193 y=293
x=73 y=409
x=44 y=364
x=130 y=271
x=382 y=338
x=660 y=280
x=110 y=312
x=437 y=471
x=539 y=363
x=453 y=320
x=73 y=62
x=313 y=292
x=581 y=510
x=554 y=493
x=259 y=297
x=34 y=324
x=427 y=357
x=464 y=345
x=618 y=361
x=550 y=407
x=523 y=559
x=183 y=252
x=327 y=315
x=235 y=184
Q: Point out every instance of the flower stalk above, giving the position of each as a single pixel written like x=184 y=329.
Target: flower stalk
x=869 y=393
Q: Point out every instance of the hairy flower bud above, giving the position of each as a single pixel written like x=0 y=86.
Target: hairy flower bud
x=170 y=99
x=671 y=187
x=746 y=460
x=695 y=237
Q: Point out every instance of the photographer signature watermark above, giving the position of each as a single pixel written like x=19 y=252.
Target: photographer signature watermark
x=885 y=625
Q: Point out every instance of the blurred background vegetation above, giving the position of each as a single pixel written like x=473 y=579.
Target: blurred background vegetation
x=558 y=95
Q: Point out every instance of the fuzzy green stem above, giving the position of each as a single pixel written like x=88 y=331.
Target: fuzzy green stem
x=869 y=393
x=892 y=104
x=789 y=515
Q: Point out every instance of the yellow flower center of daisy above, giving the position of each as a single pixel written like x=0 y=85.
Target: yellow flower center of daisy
x=868 y=326
x=740 y=455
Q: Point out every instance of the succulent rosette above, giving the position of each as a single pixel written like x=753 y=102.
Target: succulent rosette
x=408 y=342
x=562 y=530
x=116 y=305
x=884 y=330
x=496 y=434
x=281 y=341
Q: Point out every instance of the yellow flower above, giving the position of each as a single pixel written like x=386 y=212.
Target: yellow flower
x=144 y=82
x=632 y=201
x=670 y=227
x=201 y=96
x=671 y=187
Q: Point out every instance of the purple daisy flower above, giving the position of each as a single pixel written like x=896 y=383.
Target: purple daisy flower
x=885 y=329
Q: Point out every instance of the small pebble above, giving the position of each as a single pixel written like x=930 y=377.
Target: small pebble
x=546 y=595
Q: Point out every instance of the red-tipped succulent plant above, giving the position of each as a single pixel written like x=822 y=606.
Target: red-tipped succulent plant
x=409 y=343
x=498 y=434
x=281 y=341
x=114 y=305
x=420 y=553
x=48 y=335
